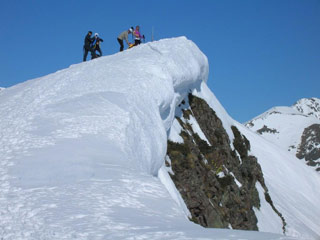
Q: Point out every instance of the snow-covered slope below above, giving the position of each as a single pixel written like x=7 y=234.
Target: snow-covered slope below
x=81 y=149
x=293 y=186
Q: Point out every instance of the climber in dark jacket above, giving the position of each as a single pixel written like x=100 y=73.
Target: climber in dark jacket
x=87 y=46
x=96 y=45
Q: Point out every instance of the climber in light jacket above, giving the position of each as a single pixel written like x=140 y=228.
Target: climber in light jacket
x=124 y=36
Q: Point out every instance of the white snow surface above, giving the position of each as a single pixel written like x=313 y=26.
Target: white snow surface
x=82 y=151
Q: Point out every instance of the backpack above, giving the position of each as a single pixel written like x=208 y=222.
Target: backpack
x=94 y=43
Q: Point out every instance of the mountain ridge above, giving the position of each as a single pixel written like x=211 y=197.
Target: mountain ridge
x=83 y=154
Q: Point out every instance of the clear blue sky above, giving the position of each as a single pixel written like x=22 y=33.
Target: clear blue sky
x=262 y=53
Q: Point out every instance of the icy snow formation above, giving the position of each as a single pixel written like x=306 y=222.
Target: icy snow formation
x=82 y=149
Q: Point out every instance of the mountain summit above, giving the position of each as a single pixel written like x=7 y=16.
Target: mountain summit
x=134 y=146
x=295 y=129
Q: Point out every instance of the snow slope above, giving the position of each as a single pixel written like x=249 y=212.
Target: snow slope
x=283 y=129
x=81 y=149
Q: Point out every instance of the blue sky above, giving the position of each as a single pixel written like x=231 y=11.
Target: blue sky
x=262 y=53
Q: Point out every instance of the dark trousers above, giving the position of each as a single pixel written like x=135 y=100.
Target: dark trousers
x=86 y=50
x=121 y=44
x=137 y=42
x=97 y=48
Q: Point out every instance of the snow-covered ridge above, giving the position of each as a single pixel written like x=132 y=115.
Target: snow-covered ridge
x=80 y=147
x=304 y=107
x=282 y=110
x=80 y=150
x=285 y=118
x=145 y=81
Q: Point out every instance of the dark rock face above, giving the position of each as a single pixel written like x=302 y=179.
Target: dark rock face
x=309 y=148
x=266 y=129
x=217 y=183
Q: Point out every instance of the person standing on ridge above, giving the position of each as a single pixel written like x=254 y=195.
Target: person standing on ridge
x=96 y=45
x=124 y=36
x=137 y=36
x=87 y=46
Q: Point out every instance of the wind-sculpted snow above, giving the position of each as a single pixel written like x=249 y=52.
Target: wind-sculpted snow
x=81 y=149
x=115 y=96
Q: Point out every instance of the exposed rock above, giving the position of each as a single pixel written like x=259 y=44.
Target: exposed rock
x=217 y=185
x=266 y=129
x=309 y=148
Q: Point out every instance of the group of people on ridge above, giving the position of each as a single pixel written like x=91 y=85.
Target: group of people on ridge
x=92 y=44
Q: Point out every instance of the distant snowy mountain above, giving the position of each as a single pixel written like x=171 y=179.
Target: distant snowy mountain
x=295 y=129
x=134 y=146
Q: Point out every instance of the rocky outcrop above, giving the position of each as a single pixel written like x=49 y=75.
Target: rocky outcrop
x=309 y=148
x=266 y=129
x=217 y=183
